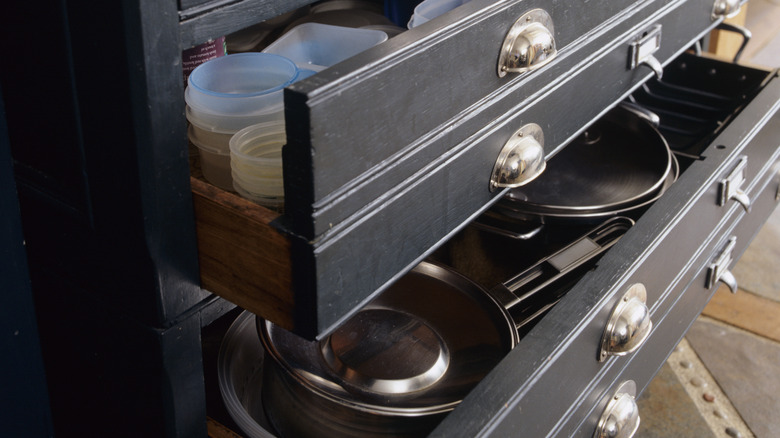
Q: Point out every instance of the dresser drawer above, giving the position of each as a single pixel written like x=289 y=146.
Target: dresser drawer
x=391 y=152
x=553 y=383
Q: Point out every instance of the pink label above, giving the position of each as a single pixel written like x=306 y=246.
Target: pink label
x=197 y=55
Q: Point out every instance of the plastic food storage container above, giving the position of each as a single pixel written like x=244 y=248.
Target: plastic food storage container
x=256 y=163
x=317 y=46
x=430 y=9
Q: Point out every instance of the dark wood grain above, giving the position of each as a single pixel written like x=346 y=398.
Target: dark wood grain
x=243 y=258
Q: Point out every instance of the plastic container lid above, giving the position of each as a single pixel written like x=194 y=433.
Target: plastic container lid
x=317 y=46
x=240 y=84
x=343 y=17
x=229 y=93
x=430 y=9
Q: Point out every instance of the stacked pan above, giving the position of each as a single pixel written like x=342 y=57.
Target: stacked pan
x=406 y=359
x=618 y=167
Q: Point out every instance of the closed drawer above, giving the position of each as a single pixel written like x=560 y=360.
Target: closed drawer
x=552 y=383
x=390 y=152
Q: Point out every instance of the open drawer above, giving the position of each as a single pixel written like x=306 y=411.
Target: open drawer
x=559 y=378
x=557 y=381
x=391 y=152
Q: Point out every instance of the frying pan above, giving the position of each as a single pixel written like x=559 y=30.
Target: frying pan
x=618 y=162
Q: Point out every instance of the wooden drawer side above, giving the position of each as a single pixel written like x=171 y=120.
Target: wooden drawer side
x=243 y=257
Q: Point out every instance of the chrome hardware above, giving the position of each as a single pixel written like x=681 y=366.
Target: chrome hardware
x=719 y=269
x=628 y=326
x=642 y=50
x=521 y=159
x=731 y=186
x=743 y=32
x=726 y=8
x=641 y=112
x=529 y=44
x=777 y=193
x=621 y=416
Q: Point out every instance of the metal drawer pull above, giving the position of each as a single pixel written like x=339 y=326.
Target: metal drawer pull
x=642 y=50
x=719 y=269
x=726 y=8
x=621 y=416
x=529 y=44
x=731 y=186
x=628 y=326
x=521 y=159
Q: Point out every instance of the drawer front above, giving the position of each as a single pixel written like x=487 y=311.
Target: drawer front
x=671 y=326
x=408 y=166
x=669 y=251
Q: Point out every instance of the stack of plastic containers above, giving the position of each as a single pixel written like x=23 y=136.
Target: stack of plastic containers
x=229 y=93
x=256 y=163
x=235 y=105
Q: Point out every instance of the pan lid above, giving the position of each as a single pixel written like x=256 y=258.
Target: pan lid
x=364 y=353
x=617 y=162
x=419 y=347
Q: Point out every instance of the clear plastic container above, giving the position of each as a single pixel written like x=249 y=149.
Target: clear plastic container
x=239 y=84
x=430 y=9
x=240 y=377
x=214 y=161
x=256 y=163
x=317 y=46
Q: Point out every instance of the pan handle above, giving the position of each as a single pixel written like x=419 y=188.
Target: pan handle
x=529 y=295
x=498 y=224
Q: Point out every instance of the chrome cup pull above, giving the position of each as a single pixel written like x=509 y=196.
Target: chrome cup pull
x=731 y=186
x=629 y=324
x=620 y=418
x=521 y=159
x=529 y=44
x=718 y=271
x=726 y=8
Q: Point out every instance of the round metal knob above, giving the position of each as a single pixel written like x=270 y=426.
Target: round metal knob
x=629 y=324
x=521 y=159
x=621 y=416
x=726 y=8
x=530 y=43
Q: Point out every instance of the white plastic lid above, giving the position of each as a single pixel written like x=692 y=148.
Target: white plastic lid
x=240 y=84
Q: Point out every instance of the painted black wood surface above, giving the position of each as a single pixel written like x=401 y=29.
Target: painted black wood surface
x=374 y=161
x=202 y=20
x=552 y=383
x=107 y=213
x=24 y=406
x=96 y=128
